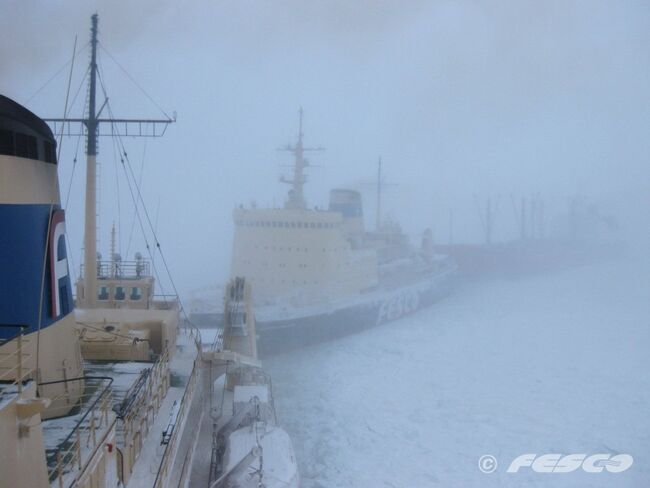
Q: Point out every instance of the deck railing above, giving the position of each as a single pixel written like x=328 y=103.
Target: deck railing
x=93 y=423
x=172 y=440
x=122 y=269
x=14 y=358
x=142 y=401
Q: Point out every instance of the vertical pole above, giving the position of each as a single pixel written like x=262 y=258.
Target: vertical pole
x=59 y=467
x=533 y=217
x=78 y=442
x=488 y=222
x=541 y=219
x=90 y=229
x=298 y=176
x=250 y=320
x=113 y=262
x=20 y=363
x=378 y=217
x=523 y=218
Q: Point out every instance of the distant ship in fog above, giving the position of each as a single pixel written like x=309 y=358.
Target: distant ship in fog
x=318 y=274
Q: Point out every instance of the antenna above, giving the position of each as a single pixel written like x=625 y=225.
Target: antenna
x=296 y=194
x=487 y=216
x=531 y=225
x=380 y=185
x=378 y=216
x=90 y=127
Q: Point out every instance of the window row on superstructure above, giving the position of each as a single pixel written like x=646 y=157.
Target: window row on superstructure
x=292 y=225
x=106 y=292
x=26 y=146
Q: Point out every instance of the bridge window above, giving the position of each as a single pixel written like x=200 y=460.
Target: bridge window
x=26 y=146
x=136 y=293
x=119 y=293
x=103 y=293
x=7 y=142
x=49 y=155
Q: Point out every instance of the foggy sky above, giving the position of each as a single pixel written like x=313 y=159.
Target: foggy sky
x=458 y=97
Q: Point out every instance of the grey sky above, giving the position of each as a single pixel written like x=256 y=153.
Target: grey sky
x=459 y=98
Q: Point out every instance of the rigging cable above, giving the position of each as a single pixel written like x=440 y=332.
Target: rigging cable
x=119 y=207
x=116 y=136
x=67 y=109
x=58 y=72
x=140 y=198
x=47 y=235
x=133 y=81
x=152 y=229
x=144 y=153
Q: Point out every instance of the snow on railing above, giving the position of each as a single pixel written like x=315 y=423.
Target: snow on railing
x=86 y=431
x=142 y=401
x=172 y=439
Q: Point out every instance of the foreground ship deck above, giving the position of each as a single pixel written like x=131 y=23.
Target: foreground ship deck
x=129 y=413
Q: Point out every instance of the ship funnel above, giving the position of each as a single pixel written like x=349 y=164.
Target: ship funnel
x=348 y=204
x=37 y=337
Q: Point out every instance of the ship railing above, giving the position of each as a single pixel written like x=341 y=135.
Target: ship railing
x=141 y=403
x=133 y=270
x=92 y=422
x=15 y=358
x=171 y=445
x=165 y=302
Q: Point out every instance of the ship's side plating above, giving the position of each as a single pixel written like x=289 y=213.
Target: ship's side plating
x=35 y=288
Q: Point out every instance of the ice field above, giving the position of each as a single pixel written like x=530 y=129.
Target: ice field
x=553 y=363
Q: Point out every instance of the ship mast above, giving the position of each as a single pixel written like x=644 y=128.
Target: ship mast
x=381 y=185
x=296 y=194
x=90 y=222
x=378 y=216
x=90 y=127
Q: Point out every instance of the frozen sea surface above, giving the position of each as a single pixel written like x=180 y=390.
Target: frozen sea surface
x=556 y=363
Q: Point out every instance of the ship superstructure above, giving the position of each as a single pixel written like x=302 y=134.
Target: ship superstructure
x=318 y=273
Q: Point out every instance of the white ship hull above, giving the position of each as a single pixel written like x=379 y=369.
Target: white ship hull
x=281 y=328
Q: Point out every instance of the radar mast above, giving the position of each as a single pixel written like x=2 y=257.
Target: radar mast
x=90 y=127
x=296 y=197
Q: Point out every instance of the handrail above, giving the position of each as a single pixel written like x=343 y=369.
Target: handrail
x=142 y=386
x=122 y=269
x=3 y=326
x=91 y=407
x=69 y=452
x=189 y=389
x=21 y=372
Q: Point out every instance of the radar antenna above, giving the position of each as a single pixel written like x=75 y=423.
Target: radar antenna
x=296 y=194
